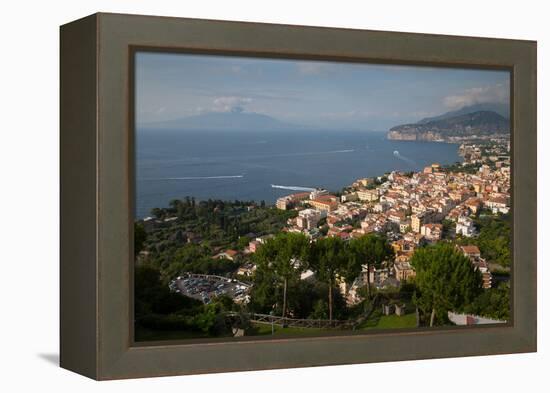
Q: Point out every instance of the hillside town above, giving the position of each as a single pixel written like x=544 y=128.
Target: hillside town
x=464 y=206
x=411 y=209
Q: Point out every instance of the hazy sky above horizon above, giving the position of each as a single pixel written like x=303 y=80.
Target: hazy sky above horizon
x=313 y=93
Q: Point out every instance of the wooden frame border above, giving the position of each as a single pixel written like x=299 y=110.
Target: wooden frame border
x=97 y=194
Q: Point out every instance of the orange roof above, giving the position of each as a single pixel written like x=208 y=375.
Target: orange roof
x=325 y=201
x=432 y=226
x=470 y=250
x=299 y=195
x=323 y=198
x=498 y=200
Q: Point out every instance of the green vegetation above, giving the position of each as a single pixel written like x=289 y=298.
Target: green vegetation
x=370 y=250
x=140 y=236
x=158 y=309
x=379 y=321
x=265 y=330
x=285 y=257
x=445 y=281
x=458 y=167
x=492 y=303
x=449 y=228
x=196 y=259
x=495 y=238
x=201 y=229
x=189 y=236
x=329 y=261
x=377 y=181
x=278 y=288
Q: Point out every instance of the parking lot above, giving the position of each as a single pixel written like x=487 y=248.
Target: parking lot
x=205 y=287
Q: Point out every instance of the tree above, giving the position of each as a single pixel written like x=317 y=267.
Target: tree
x=286 y=255
x=140 y=236
x=492 y=303
x=445 y=279
x=369 y=250
x=328 y=260
x=158 y=213
x=151 y=296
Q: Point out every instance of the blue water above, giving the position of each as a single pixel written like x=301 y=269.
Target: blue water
x=243 y=165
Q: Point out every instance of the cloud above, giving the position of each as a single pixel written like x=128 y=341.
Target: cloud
x=499 y=93
x=230 y=103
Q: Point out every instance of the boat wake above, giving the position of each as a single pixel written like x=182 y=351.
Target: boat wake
x=293 y=188
x=398 y=155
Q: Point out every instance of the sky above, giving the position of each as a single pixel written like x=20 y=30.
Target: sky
x=312 y=93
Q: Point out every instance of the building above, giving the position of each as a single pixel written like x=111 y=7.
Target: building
x=403 y=270
x=465 y=226
x=317 y=193
x=497 y=205
x=227 y=254
x=405 y=226
x=368 y=195
x=469 y=319
x=435 y=167
x=432 y=232
x=403 y=246
x=308 y=218
x=349 y=197
x=397 y=216
x=474 y=204
x=253 y=245
x=365 y=181
x=246 y=270
x=282 y=203
x=472 y=252
x=325 y=203
x=289 y=201
x=417 y=220
x=415 y=238
x=485 y=170
x=380 y=207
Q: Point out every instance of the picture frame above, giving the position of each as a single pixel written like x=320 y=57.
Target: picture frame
x=97 y=194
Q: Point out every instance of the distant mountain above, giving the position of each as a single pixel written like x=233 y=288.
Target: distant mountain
x=452 y=128
x=234 y=120
x=501 y=109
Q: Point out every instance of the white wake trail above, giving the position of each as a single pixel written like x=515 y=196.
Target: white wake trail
x=397 y=155
x=293 y=188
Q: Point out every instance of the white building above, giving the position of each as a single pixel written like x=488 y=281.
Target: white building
x=368 y=195
x=317 y=193
x=465 y=226
x=380 y=207
x=308 y=218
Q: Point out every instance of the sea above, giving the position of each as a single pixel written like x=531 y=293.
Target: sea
x=247 y=165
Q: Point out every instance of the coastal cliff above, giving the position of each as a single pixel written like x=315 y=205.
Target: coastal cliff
x=452 y=129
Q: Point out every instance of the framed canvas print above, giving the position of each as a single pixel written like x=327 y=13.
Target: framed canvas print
x=241 y=196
